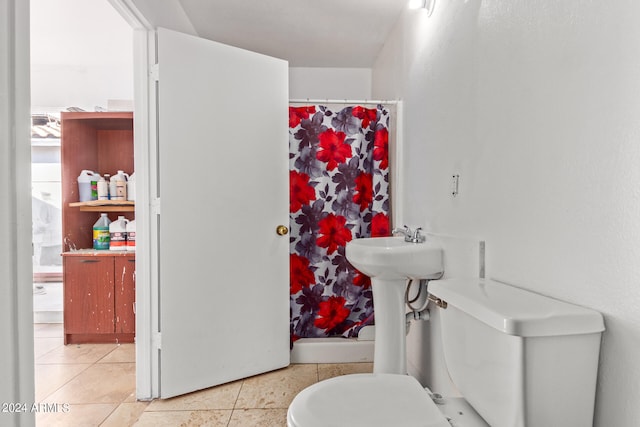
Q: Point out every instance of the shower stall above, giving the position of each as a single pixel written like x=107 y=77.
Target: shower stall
x=343 y=160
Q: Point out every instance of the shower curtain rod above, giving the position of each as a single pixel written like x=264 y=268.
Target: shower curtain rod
x=341 y=101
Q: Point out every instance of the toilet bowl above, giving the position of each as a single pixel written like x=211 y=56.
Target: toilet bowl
x=377 y=400
x=519 y=359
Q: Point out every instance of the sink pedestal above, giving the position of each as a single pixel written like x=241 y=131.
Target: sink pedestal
x=390 y=354
x=389 y=261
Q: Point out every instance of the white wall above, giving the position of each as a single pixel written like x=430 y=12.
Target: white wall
x=329 y=83
x=536 y=105
x=81 y=55
x=77 y=62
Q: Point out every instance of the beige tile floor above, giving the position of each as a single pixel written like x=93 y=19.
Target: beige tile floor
x=97 y=381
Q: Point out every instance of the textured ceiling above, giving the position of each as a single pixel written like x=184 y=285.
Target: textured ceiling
x=307 y=33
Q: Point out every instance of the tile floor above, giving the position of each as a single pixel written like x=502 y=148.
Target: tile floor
x=97 y=381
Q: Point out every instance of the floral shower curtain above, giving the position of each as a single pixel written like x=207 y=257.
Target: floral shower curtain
x=339 y=191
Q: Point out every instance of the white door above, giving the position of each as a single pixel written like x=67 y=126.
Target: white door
x=223 y=187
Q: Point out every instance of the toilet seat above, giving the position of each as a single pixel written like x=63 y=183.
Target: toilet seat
x=371 y=400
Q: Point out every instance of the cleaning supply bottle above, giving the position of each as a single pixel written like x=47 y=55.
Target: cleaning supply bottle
x=118 y=234
x=101 y=232
x=103 y=189
x=131 y=235
x=84 y=184
x=118 y=186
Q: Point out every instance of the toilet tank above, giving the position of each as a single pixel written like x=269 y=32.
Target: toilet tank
x=519 y=358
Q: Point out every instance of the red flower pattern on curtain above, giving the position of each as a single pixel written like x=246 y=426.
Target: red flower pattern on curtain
x=339 y=191
x=297 y=114
x=364 y=191
x=332 y=313
x=333 y=148
x=333 y=233
x=300 y=192
x=300 y=273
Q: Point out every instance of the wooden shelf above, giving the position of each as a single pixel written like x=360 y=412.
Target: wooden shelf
x=105 y=206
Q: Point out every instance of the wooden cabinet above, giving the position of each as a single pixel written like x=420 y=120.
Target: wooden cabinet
x=99 y=286
x=99 y=296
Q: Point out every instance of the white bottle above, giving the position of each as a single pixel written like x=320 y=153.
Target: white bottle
x=131 y=235
x=131 y=187
x=103 y=189
x=118 y=234
x=118 y=186
x=84 y=184
x=112 y=188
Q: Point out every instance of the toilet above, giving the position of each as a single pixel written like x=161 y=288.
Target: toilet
x=518 y=359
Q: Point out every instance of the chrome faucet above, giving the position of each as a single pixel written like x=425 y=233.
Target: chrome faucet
x=410 y=236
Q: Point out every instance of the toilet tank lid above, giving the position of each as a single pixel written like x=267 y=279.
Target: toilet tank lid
x=516 y=311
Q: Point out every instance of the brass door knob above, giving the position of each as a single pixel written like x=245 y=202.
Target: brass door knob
x=281 y=230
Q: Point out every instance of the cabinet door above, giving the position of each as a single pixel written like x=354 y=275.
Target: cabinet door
x=125 y=290
x=88 y=295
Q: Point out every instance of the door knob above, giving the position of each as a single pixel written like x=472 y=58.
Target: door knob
x=281 y=230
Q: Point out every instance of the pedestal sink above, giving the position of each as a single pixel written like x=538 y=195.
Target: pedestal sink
x=390 y=261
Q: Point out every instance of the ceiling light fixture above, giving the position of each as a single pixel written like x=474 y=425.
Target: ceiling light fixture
x=428 y=5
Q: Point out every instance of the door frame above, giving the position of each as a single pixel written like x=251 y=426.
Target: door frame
x=16 y=271
x=145 y=137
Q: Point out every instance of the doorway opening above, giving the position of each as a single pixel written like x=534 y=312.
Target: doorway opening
x=81 y=60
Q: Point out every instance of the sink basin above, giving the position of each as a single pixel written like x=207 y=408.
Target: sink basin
x=393 y=258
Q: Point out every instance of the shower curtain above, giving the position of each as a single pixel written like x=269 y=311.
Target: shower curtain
x=339 y=191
